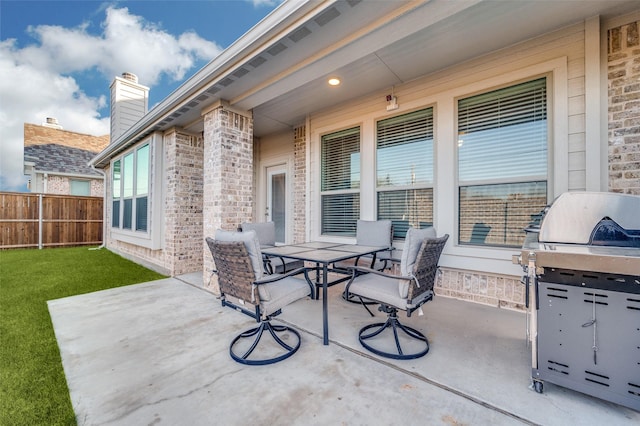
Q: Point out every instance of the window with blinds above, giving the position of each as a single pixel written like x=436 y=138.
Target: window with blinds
x=404 y=170
x=340 y=182
x=502 y=163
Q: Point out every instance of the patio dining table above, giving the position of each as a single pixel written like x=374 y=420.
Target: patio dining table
x=323 y=254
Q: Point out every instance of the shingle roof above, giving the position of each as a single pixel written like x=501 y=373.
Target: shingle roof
x=61 y=159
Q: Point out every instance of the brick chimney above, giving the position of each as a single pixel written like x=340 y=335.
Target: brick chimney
x=129 y=103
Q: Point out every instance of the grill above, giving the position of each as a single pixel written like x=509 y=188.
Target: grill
x=582 y=273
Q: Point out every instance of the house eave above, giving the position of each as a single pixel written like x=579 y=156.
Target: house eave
x=287 y=15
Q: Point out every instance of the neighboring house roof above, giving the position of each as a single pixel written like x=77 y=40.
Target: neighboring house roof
x=53 y=158
x=278 y=70
x=53 y=150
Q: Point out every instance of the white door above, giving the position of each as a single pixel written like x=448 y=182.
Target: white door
x=277 y=200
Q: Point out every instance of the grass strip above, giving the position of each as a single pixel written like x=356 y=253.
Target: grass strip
x=33 y=388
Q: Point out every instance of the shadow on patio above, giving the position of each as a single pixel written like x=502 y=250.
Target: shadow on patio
x=158 y=352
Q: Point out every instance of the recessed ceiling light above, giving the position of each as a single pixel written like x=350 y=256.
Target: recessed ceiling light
x=334 y=81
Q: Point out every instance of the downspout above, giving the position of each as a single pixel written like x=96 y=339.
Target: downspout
x=104 y=209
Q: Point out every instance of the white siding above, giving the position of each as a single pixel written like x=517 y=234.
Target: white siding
x=128 y=105
x=559 y=55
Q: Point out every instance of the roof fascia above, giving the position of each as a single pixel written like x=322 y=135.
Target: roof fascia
x=272 y=27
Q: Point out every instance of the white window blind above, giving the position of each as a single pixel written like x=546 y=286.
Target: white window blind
x=404 y=146
x=340 y=182
x=502 y=163
x=404 y=170
x=503 y=134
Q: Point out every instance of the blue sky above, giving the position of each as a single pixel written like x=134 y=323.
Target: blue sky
x=58 y=58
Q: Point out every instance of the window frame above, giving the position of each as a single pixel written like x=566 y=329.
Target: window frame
x=430 y=181
x=78 y=181
x=547 y=178
x=356 y=191
x=149 y=236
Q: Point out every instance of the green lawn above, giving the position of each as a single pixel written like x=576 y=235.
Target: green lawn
x=33 y=388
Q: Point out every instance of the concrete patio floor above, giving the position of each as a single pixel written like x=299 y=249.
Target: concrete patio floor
x=158 y=353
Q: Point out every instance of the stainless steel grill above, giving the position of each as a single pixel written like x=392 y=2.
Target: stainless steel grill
x=582 y=269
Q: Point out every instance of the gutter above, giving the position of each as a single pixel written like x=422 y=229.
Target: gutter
x=236 y=55
x=104 y=209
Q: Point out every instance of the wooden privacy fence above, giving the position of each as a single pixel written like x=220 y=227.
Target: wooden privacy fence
x=48 y=220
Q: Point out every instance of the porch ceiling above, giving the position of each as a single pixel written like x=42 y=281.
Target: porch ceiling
x=436 y=35
x=279 y=69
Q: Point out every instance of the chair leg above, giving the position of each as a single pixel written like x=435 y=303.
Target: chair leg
x=276 y=331
x=354 y=298
x=395 y=325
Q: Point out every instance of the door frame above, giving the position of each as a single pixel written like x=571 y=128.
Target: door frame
x=286 y=164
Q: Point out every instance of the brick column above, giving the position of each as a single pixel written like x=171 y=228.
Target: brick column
x=228 y=177
x=299 y=184
x=183 y=202
x=624 y=108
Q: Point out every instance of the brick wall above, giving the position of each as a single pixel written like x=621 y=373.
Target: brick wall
x=228 y=178
x=152 y=259
x=97 y=187
x=299 y=184
x=503 y=291
x=183 y=202
x=61 y=185
x=624 y=108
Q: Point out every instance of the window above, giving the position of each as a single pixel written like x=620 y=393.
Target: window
x=130 y=177
x=340 y=182
x=502 y=163
x=404 y=170
x=142 y=187
x=116 y=179
x=79 y=187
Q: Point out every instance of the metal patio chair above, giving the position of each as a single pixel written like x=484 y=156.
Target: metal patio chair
x=407 y=292
x=238 y=263
x=370 y=233
x=266 y=232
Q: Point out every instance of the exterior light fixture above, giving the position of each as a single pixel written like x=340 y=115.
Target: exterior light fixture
x=334 y=81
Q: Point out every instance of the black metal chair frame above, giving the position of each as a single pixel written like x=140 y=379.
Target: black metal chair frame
x=237 y=279
x=420 y=290
x=386 y=264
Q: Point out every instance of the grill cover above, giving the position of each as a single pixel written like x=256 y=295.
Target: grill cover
x=593 y=218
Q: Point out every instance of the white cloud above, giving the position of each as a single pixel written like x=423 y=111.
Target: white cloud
x=38 y=81
x=270 y=3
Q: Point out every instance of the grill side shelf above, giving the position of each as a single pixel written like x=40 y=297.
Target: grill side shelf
x=594 y=280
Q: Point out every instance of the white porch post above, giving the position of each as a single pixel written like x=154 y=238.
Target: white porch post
x=228 y=176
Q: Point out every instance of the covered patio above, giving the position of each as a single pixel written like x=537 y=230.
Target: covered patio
x=158 y=353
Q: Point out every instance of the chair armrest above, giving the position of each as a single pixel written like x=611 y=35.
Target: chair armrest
x=359 y=270
x=363 y=270
x=273 y=279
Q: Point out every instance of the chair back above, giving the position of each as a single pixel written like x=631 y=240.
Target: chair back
x=426 y=266
x=375 y=233
x=235 y=272
x=266 y=232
